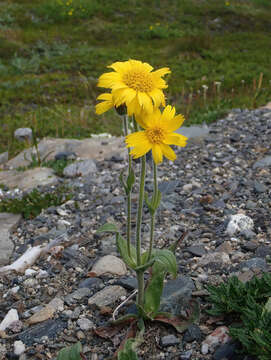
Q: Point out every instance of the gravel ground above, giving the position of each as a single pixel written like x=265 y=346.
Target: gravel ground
x=218 y=190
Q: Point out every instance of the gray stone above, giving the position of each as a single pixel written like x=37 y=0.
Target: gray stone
x=85 y=324
x=225 y=352
x=80 y=168
x=176 y=294
x=197 y=250
x=263 y=251
x=109 y=264
x=65 y=155
x=169 y=340
x=7 y=224
x=129 y=283
x=215 y=258
x=23 y=134
x=238 y=223
x=107 y=296
x=90 y=283
x=254 y=263
x=3 y=157
x=168 y=186
x=263 y=163
x=186 y=355
x=248 y=234
x=77 y=295
x=259 y=187
x=250 y=246
x=251 y=205
x=29 y=179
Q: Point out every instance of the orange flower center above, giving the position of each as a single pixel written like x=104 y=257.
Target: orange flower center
x=155 y=135
x=138 y=80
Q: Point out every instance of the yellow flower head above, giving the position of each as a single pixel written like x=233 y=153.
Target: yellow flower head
x=157 y=135
x=134 y=84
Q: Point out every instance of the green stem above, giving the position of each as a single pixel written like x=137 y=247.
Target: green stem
x=128 y=225
x=140 y=293
x=139 y=210
x=155 y=188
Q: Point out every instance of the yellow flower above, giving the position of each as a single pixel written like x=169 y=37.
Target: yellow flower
x=134 y=84
x=70 y=12
x=227 y=3
x=151 y=27
x=157 y=135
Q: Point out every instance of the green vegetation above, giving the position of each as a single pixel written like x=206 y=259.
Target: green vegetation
x=249 y=305
x=53 y=51
x=31 y=204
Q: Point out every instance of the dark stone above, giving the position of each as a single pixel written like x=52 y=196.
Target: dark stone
x=250 y=246
x=168 y=186
x=116 y=158
x=248 y=234
x=89 y=283
x=226 y=352
x=263 y=251
x=65 y=155
x=251 y=205
x=192 y=333
x=176 y=295
x=197 y=250
x=72 y=258
x=48 y=328
x=129 y=283
x=186 y=355
x=169 y=340
x=77 y=295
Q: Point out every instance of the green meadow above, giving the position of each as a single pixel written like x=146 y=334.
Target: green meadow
x=53 y=51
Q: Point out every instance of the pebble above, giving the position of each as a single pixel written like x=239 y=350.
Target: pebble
x=109 y=264
x=107 y=296
x=218 y=336
x=169 y=340
x=19 y=347
x=10 y=317
x=85 y=324
x=238 y=223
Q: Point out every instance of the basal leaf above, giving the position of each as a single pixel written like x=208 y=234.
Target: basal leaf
x=167 y=258
x=71 y=352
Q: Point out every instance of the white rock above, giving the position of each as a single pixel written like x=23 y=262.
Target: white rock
x=23 y=134
x=204 y=349
x=30 y=272
x=42 y=274
x=188 y=187
x=19 y=347
x=239 y=222
x=10 y=317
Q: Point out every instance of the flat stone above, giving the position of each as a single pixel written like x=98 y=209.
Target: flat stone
x=8 y=222
x=254 y=263
x=238 y=223
x=90 y=283
x=197 y=250
x=29 y=179
x=176 y=294
x=91 y=148
x=225 y=247
x=77 y=295
x=263 y=163
x=65 y=155
x=250 y=246
x=186 y=355
x=225 y=352
x=259 y=187
x=49 y=328
x=246 y=276
x=47 y=312
x=168 y=186
x=129 y=283
x=263 y=251
x=193 y=333
x=80 y=168
x=169 y=340
x=107 y=296
x=109 y=264
x=248 y=234
x=215 y=257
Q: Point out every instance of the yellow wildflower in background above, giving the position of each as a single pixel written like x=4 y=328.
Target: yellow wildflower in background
x=157 y=135
x=134 y=84
x=227 y=3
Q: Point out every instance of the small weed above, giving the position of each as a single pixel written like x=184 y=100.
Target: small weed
x=249 y=305
x=31 y=205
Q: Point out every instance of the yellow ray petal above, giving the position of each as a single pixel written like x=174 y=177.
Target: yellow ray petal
x=103 y=107
x=161 y=72
x=168 y=152
x=136 y=139
x=105 y=96
x=174 y=123
x=175 y=139
x=157 y=154
x=145 y=101
x=141 y=150
x=157 y=96
x=108 y=80
x=168 y=114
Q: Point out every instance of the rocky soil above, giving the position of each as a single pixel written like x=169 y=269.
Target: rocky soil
x=218 y=190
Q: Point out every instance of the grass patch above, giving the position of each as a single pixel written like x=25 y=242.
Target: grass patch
x=52 y=53
x=31 y=204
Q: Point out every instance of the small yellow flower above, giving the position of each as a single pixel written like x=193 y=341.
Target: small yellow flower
x=151 y=27
x=157 y=135
x=134 y=84
x=70 y=12
x=227 y=3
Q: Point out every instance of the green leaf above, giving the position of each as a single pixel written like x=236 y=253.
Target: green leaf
x=123 y=250
x=123 y=183
x=167 y=258
x=130 y=180
x=128 y=352
x=267 y=306
x=108 y=228
x=154 y=290
x=154 y=202
x=70 y=352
